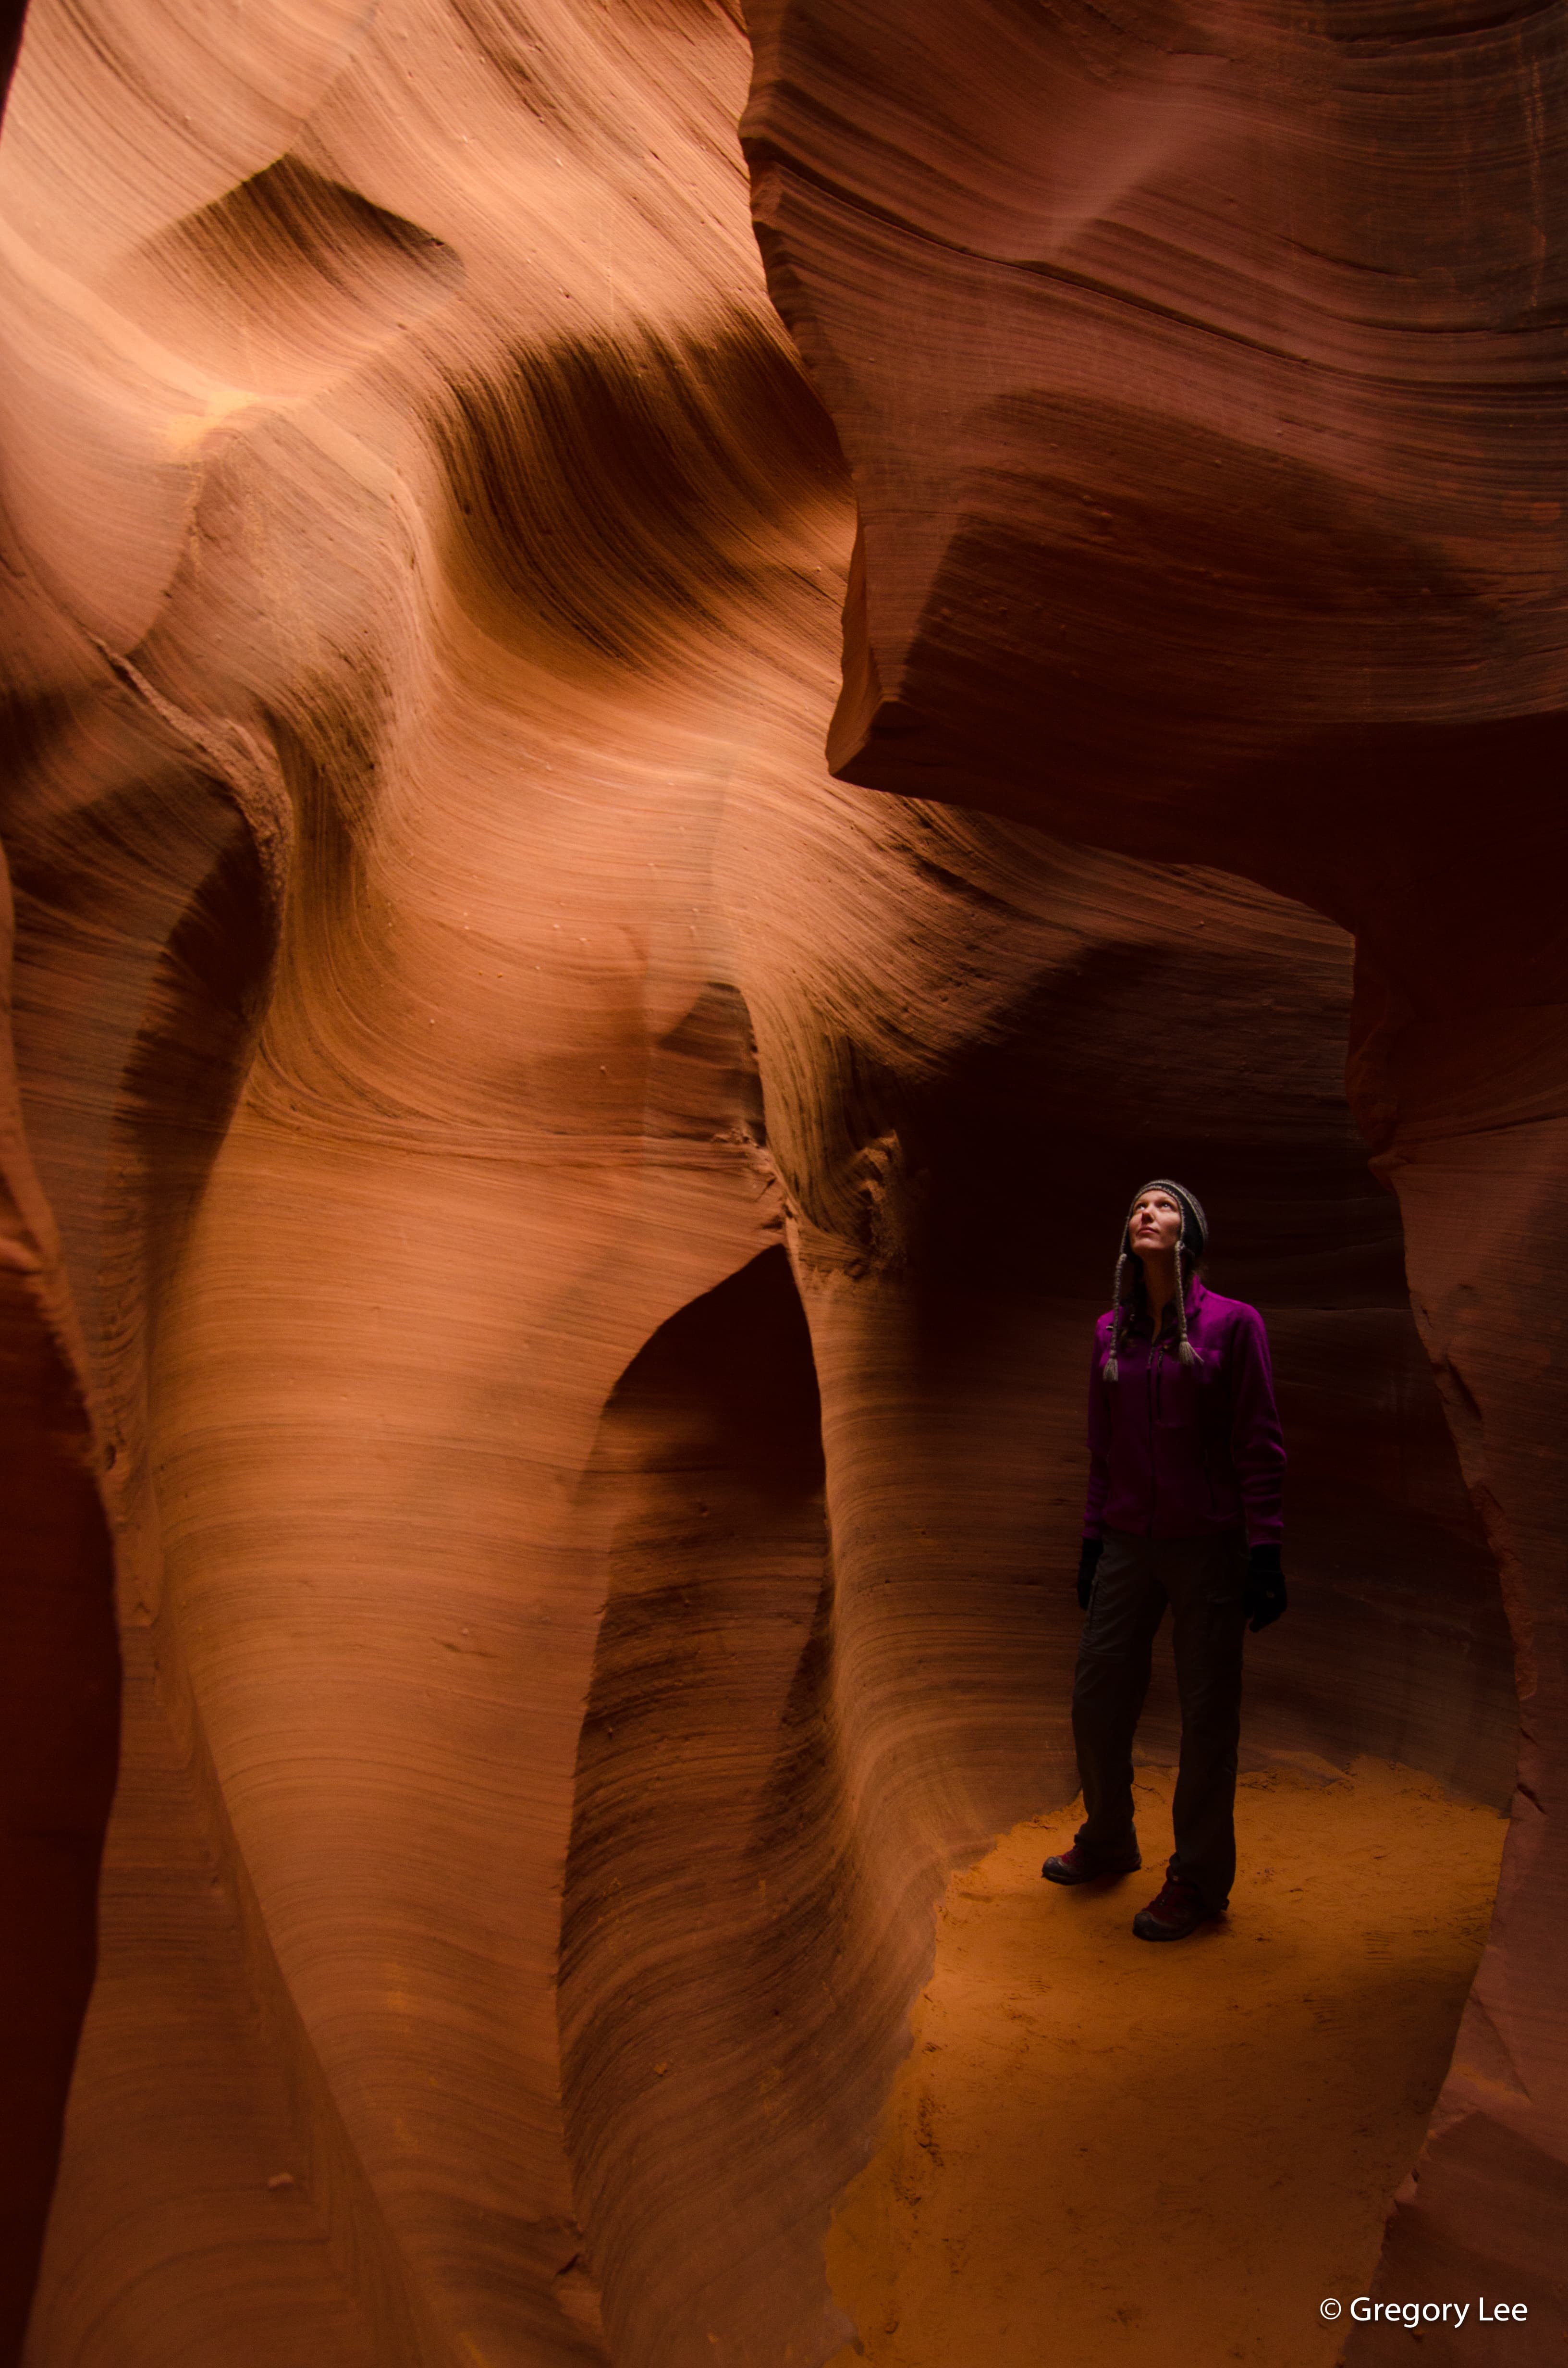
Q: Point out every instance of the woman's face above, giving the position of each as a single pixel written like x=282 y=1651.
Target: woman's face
x=1155 y=1222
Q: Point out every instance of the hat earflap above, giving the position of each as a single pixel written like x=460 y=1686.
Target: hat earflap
x=1186 y=1353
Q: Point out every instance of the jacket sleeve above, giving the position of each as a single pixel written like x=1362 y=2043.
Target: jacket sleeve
x=1258 y=1444
x=1099 y=1445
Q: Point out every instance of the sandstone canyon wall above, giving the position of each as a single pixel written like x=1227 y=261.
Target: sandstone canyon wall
x=1219 y=515
x=551 y=1240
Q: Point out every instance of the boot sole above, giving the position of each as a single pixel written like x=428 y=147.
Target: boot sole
x=1147 y=1931
x=1132 y=1867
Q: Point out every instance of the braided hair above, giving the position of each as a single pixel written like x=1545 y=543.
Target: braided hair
x=1191 y=1244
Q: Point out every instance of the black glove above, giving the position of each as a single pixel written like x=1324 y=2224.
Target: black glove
x=1266 y=1597
x=1086 y=1560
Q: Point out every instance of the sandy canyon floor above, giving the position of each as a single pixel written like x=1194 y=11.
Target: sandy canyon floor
x=1102 y=2154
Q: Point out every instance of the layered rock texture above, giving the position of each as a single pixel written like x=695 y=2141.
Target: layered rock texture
x=549 y=1241
x=1199 y=369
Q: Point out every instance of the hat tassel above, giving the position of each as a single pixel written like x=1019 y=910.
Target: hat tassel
x=1112 y=1369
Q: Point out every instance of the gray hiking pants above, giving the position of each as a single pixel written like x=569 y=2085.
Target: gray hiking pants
x=1203 y=1581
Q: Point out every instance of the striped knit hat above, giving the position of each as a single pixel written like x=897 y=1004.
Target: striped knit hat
x=1190 y=1246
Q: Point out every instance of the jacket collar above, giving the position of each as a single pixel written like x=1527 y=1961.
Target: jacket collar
x=1197 y=1291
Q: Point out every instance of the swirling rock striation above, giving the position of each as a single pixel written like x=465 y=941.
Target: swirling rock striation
x=1196 y=366
x=555 y=1239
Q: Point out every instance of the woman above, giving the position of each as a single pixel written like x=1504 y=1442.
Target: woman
x=1185 y=1468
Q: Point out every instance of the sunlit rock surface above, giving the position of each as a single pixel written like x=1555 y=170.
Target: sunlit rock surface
x=556 y=1240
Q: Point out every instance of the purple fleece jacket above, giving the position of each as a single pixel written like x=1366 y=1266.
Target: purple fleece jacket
x=1182 y=1451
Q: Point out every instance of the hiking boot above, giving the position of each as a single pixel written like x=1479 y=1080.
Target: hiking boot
x=1177 y=1911
x=1079 y=1865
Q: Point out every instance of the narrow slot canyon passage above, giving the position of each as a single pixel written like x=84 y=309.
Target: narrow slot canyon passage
x=681 y=681
x=1102 y=2154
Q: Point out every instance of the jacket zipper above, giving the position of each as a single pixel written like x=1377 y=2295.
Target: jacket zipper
x=1153 y=1402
